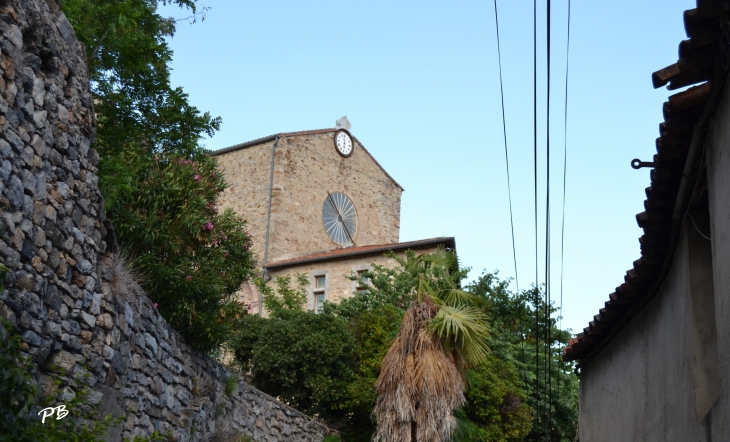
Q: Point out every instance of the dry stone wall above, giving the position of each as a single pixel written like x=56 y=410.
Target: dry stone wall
x=65 y=294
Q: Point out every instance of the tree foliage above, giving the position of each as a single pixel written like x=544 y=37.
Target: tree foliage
x=514 y=338
x=299 y=356
x=195 y=258
x=161 y=189
x=137 y=109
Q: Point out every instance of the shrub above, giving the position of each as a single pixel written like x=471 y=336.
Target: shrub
x=193 y=257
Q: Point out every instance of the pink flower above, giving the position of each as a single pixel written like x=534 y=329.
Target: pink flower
x=215 y=243
x=226 y=254
x=188 y=277
x=209 y=226
x=249 y=307
x=197 y=177
x=155 y=304
x=215 y=210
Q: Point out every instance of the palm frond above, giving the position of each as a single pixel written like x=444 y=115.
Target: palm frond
x=456 y=297
x=463 y=328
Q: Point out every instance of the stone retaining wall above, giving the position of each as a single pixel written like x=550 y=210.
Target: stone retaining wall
x=72 y=301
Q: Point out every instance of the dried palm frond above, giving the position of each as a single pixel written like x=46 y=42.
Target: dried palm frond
x=419 y=383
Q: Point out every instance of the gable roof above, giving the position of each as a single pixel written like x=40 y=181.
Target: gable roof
x=350 y=252
x=262 y=140
x=688 y=117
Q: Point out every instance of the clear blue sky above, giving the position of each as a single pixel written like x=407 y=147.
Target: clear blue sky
x=420 y=84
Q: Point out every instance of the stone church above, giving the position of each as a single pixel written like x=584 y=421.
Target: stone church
x=316 y=202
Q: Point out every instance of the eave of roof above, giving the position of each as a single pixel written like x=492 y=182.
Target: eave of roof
x=351 y=252
x=266 y=139
x=688 y=116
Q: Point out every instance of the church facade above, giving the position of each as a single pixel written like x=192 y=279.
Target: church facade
x=316 y=202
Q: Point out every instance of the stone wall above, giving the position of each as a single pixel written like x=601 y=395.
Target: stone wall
x=73 y=303
x=306 y=166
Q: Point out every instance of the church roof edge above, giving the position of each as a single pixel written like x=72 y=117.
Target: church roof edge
x=349 y=252
x=266 y=139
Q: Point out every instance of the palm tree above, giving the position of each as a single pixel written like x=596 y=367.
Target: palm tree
x=422 y=377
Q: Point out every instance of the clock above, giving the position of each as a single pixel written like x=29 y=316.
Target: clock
x=343 y=143
x=340 y=218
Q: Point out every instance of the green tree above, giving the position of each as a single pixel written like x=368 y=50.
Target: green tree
x=299 y=356
x=195 y=258
x=512 y=317
x=137 y=109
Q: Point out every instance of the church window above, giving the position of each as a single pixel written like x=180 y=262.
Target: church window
x=319 y=292
x=319 y=302
x=362 y=281
x=320 y=281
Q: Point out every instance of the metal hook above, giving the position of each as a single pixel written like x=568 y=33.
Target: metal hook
x=638 y=164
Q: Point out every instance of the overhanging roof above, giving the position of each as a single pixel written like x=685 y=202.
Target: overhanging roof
x=687 y=119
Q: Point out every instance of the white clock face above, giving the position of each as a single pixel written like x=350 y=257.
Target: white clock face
x=343 y=143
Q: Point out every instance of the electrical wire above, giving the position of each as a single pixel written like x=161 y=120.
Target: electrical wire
x=565 y=168
x=537 y=290
x=509 y=189
x=547 y=241
x=506 y=156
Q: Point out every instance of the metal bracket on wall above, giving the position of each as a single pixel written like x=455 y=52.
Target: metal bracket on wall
x=638 y=164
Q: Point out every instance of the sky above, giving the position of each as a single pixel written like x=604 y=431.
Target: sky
x=420 y=84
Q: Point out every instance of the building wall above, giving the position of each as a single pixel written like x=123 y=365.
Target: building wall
x=307 y=166
x=337 y=271
x=248 y=173
x=718 y=178
x=640 y=386
x=666 y=376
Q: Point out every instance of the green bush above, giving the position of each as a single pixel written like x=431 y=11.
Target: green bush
x=303 y=358
x=194 y=258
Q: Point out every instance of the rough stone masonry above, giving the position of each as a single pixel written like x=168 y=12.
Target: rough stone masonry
x=62 y=289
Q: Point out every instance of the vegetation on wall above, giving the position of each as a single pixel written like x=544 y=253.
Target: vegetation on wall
x=161 y=188
x=194 y=258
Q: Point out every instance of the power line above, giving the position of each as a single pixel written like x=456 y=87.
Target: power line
x=509 y=188
x=547 y=238
x=537 y=305
x=565 y=168
x=506 y=157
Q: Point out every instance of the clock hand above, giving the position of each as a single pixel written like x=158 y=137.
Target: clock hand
x=340 y=217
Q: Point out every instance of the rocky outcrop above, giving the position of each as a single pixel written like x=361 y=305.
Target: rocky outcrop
x=65 y=294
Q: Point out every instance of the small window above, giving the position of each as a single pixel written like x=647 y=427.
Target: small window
x=318 y=302
x=320 y=281
x=362 y=282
